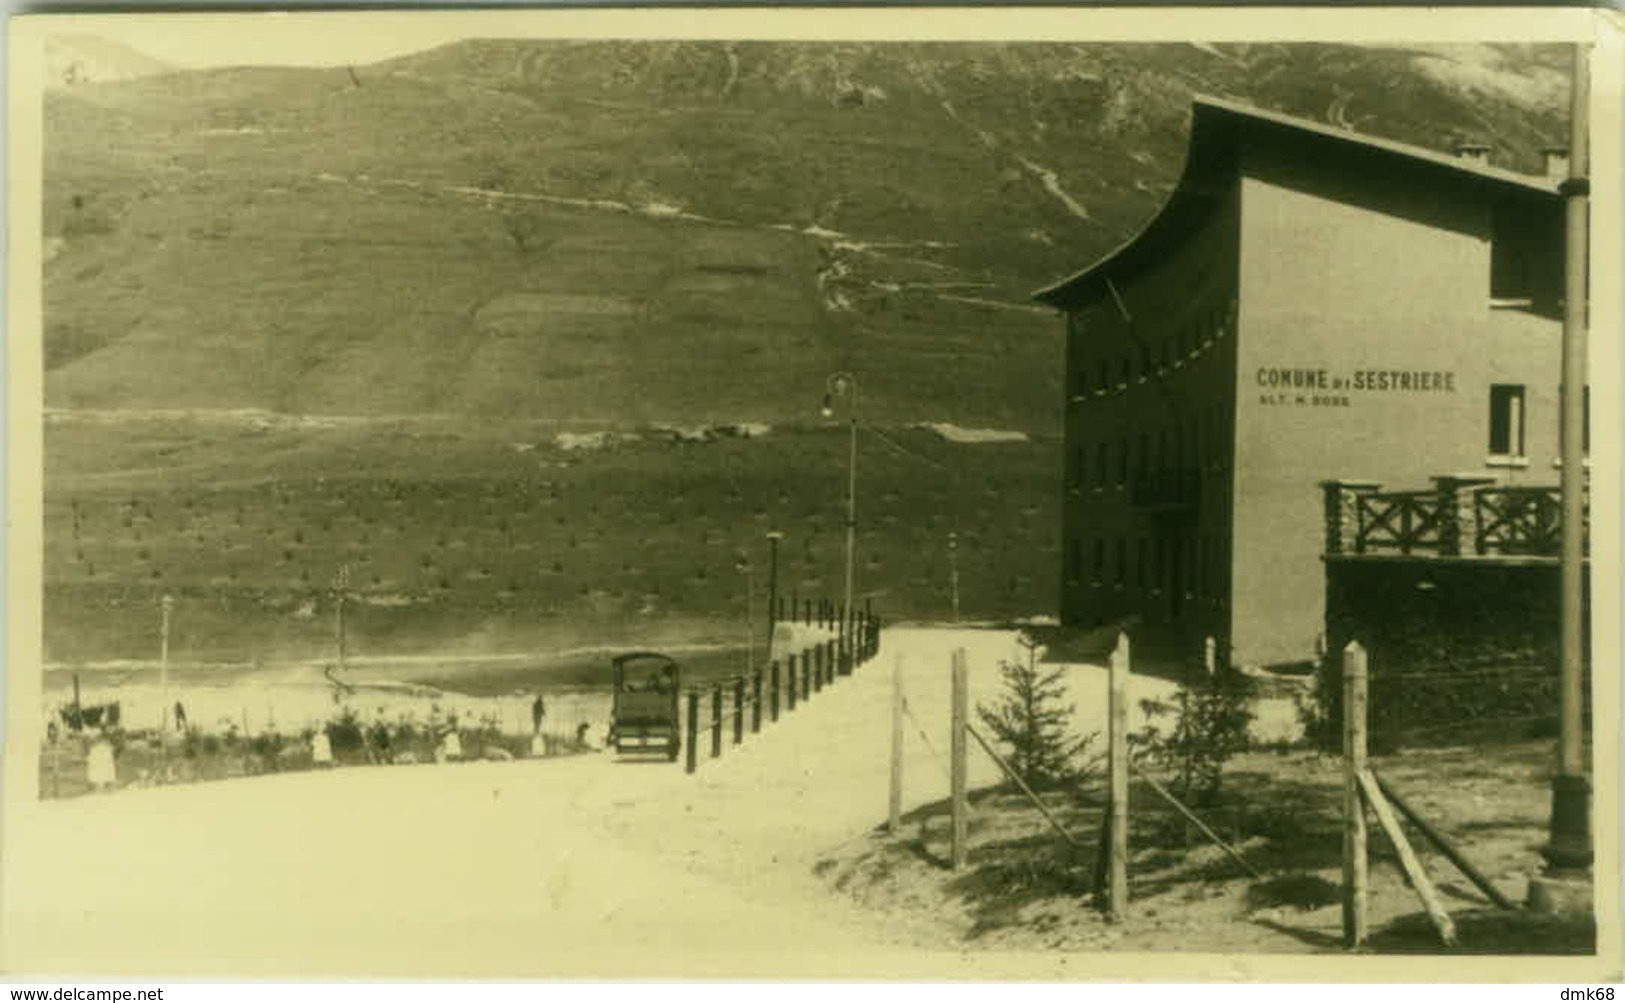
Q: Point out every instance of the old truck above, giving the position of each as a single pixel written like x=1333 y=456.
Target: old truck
x=644 y=711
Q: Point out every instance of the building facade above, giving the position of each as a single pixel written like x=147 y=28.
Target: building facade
x=1309 y=304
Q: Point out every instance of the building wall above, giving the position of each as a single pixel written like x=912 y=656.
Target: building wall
x=1342 y=277
x=1155 y=384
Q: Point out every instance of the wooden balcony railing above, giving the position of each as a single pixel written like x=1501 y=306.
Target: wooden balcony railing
x=1460 y=516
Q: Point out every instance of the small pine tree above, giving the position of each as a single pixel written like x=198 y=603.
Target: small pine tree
x=1033 y=724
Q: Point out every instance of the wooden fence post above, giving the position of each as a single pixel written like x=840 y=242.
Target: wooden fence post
x=739 y=709
x=774 y=684
x=1117 y=727
x=756 y=702
x=1354 y=831
x=693 y=730
x=716 y=720
x=957 y=759
x=894 y=805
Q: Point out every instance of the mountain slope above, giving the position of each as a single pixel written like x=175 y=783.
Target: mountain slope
x=637 y=230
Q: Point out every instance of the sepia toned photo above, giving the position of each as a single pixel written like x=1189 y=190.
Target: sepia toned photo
x=808 y=495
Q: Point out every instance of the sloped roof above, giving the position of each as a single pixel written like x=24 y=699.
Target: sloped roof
x=1219 y=128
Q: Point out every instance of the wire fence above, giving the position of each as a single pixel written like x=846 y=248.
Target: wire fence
x=743 y=704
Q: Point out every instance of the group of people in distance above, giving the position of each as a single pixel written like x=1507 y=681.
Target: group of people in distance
x=454 y=738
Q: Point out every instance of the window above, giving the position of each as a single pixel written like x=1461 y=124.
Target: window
x=1526 y=256
x=1122 y=461
x=1127 y=372
x=1120 y=572
x=1139 y=563
x=1080 y=381
x=1079 y=463
x=1105 y=381
x=1102 y=466
x=1506 y=419
x=1144 y=466
x=1098 y=565
x=1074 y=559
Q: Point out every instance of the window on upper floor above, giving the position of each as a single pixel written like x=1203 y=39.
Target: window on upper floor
x=1098 y=562
x=1122 y=461
x=1506 y=420
x=1120 y=565
x=1074 y=559
x=1526 y=256
x=1102 y=466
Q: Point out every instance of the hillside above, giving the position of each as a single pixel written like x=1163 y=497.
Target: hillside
x=653 y=231
x=296 y=318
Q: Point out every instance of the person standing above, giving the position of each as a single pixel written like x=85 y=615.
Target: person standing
x=538 y=711
x=99 y=770
x=321 y=749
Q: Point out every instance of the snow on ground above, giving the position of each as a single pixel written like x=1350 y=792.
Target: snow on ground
x=585 y=866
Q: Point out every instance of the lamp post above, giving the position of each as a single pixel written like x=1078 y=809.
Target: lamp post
x=773 y=538
x=1569 y=852
x=953 y=570
x=846 y=385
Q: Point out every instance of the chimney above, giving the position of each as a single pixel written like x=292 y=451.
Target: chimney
x=1477 y=153
x=1557 y=161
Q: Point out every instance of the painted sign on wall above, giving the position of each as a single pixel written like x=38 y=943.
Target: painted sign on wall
x=1322 y=387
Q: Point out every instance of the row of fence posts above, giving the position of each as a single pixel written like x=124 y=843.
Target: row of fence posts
x=794 y=680
x=1111 y=866
x=1364 y=789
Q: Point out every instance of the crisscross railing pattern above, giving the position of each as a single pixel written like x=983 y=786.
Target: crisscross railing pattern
x=1405 y=521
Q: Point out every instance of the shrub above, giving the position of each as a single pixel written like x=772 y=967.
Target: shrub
x=1033 y=724
x=1209 y=725
x=345 y=732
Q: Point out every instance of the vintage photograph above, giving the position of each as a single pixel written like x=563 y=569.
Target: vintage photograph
x=515 y=501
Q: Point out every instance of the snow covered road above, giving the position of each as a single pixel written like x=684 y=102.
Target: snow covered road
x=564 y=868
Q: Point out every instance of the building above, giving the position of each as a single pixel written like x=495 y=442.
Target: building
x=1309 y=304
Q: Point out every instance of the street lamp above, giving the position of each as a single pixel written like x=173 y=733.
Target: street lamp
x=846 y=385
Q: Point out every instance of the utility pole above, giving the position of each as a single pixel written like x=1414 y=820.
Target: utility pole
x=1566 y=883
x=953 y=571
x=842 y=385
x=341 y=584
x=744 y=568
x=166 y=605
x=773 y=538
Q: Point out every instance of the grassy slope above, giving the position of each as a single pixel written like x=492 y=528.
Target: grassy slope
x=469 y=545
x=306 y=242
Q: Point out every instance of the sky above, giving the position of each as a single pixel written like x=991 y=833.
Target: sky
x=306 y=38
